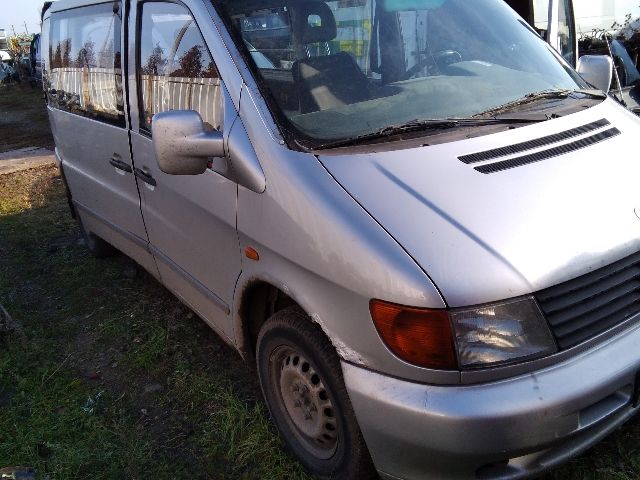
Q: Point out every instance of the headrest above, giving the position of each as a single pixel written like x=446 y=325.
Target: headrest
x=304 y=19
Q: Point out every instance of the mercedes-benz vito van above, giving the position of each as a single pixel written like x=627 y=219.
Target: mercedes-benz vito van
x=419 y=221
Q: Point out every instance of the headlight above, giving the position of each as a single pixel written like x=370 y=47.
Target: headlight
x=502 y=333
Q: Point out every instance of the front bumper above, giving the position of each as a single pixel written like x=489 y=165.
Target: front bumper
x=508 y=429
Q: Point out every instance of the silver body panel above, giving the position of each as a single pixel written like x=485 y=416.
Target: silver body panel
x=486 y=237
x=536 y=420
x=413 y=226
x=102 y=193
x=327 y=253
x=191 y=225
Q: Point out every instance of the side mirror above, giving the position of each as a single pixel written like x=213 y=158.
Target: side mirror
x=181 y=144
x=597 y=70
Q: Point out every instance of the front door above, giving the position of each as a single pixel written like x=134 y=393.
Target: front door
x=565 y=39
x=191 y=219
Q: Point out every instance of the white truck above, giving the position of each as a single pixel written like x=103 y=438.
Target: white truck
x=576 y=28
x=4 y=41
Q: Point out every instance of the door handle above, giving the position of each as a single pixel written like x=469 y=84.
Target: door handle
x=119 y=164
x=144 y=176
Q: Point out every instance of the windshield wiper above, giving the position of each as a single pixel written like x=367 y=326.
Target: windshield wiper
x=426 y=125
x=542 y=95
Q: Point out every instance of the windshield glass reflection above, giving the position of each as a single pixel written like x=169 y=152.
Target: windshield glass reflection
x=345 y=68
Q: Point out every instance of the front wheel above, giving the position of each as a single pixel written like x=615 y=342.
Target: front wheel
x=301 y=379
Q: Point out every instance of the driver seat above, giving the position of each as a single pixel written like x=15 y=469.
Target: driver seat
x=327 y=81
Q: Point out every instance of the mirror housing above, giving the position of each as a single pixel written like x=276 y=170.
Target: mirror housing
x=245 y=163
x=181 y=144
x=597 y=70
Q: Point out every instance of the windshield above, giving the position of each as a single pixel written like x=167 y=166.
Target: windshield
x=349 y=68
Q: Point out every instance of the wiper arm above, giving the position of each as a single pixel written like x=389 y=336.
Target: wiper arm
x=544 y=94
x=427 y=124
x=418 y=125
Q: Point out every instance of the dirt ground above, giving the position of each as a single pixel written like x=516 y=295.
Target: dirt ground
x=105 y=375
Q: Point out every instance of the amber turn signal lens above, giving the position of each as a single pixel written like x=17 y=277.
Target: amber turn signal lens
x=419 y=336
x=251 y=253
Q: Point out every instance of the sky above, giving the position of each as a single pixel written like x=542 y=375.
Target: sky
x=16 y=12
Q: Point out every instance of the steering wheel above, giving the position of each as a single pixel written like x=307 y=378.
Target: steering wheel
x=440 y=60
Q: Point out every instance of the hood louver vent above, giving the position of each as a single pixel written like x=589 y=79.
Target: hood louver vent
x=550 y=153
x=539 y=143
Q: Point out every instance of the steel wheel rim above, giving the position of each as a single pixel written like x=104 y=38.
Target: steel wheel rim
x=306 y=401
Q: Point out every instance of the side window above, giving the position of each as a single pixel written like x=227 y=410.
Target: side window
x=541 y=17
x=175 y=69
x=566 y=32
x=84 y=62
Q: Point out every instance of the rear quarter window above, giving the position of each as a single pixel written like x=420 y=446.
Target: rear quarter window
x=84 y=71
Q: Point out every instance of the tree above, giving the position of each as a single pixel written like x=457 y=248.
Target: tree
x=190 y=63
x=66 y=52
x=156 y=62
x=56 y=58
x=19 y=44
x=211 y=71
x=86 y=56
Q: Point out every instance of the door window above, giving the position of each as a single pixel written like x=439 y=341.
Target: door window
x=84 y=74
x=567 y=41
x=541 y=17
x=175 y=68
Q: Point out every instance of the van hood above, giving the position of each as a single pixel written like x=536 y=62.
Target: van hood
x=554 y=201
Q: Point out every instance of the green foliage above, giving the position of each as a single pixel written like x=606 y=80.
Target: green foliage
x=18 y=42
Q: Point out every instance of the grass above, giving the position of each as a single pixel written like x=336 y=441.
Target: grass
x=23 y=118
x=110 y=377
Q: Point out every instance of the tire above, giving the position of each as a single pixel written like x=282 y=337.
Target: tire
x=302 y=383
x=98 y=247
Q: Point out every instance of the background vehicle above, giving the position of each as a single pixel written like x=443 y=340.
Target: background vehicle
x=613 y=28
x=35 y=59
x=4 y=42
x=7 y=71
x=584 y=27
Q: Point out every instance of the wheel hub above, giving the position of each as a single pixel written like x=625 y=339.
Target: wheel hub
x=307 y=402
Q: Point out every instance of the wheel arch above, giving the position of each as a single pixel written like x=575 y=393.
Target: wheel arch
x=258 y=300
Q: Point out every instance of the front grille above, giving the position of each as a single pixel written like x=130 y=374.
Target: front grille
x=581 y=308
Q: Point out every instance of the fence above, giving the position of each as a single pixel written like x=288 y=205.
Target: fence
x=160 y=93
x=100 y=89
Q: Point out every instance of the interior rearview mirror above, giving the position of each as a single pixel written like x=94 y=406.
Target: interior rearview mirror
x=597 y=70
x=181 y=144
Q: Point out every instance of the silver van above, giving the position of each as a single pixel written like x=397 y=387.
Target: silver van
x=415 y=216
